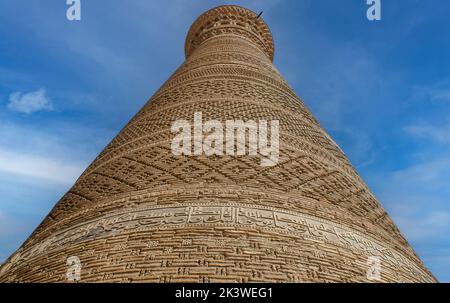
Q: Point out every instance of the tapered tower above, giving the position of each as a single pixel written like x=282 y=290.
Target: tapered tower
x=141 y=212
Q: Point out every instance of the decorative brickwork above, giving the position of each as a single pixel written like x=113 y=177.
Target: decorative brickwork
x=139 y=213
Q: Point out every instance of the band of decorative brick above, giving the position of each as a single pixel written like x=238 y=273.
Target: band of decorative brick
x=230 y=19
x=237 y=217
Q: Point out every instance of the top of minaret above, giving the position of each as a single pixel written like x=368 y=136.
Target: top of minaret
x=230 y=19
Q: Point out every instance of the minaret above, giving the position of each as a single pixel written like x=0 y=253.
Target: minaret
x=142 y=213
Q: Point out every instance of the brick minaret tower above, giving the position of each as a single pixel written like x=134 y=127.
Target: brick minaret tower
x=140 y=213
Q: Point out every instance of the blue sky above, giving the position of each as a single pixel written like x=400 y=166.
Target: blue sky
x=381 y=89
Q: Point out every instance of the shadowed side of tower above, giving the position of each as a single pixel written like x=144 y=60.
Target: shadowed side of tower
x=141 y=213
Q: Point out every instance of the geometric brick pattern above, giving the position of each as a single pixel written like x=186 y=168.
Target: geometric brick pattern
x=139 y=213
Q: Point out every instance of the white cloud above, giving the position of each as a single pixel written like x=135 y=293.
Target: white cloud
x=51 y=154
x=30 y=102
x=438 y=134
x=39 y=167
x=431 y=174
x=441 y=95
x=438 y=92
x=421 y=228
x=417 y=199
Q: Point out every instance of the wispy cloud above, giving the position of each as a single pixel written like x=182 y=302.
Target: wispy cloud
x=443 y=94
x=429 y=174
x=417 y=199
x=30 y=102
x=438 y=134
x=438 y=92
x=421 y=227
x=55 y=153
x=39 y=167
